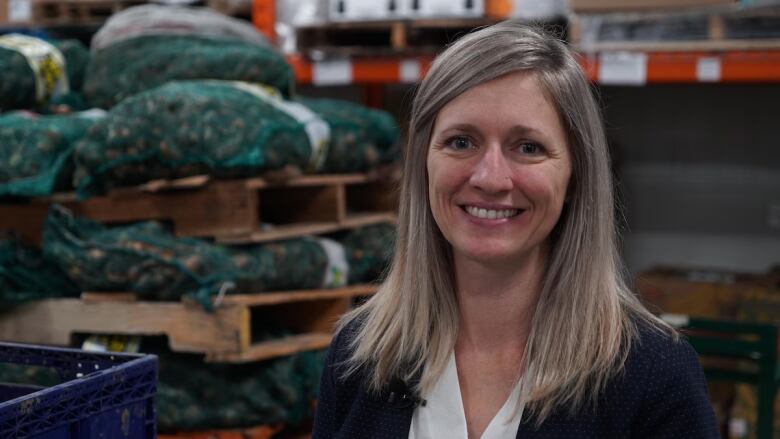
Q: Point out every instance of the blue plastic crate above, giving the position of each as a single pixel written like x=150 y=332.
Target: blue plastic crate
x=102 y=395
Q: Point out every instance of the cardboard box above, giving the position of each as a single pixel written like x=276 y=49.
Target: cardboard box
x=642 y=5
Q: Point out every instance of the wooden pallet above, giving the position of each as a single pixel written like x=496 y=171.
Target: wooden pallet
x=373 y=38
x=58 y=12
x=716 y=29
x=231 y=211
x=224 y=335
x=262 y=432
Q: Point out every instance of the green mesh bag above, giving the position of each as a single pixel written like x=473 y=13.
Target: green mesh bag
x=35 y=152
x=188 y=128
x=131 y=66
x=145 y=259
x=369 y=250
x=17 y=79
x=360 y=137
x=17 y=82
x=193 y=395
x=76 y=60
x=26 y=275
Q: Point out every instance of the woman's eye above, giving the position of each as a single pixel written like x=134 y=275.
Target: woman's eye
x=459 y=142
x=531 y=148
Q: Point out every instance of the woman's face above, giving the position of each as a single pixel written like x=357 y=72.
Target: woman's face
x=498 y=168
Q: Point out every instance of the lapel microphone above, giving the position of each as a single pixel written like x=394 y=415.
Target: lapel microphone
x=400 y=396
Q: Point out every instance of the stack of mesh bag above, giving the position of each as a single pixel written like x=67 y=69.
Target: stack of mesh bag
x=228 y=129
x=146 y=20
x=35 y=73
x=147 y=260
x=197 y=396
x=25 y=275
x=35 y=151
x=145 y=47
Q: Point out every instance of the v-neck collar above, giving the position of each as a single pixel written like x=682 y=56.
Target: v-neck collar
x=443 y=414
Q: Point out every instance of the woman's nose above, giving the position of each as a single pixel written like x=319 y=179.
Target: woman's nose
x=492 y=172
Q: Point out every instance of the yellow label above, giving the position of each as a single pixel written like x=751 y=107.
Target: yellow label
x=46 y=62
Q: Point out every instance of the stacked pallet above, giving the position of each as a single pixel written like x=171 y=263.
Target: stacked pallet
x=205 y=208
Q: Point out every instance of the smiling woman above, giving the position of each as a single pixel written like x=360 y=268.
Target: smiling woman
x=504 y=313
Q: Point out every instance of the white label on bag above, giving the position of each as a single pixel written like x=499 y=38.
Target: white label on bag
x=46 y=62
x=337 y=273
x=317 y=130
x=410 y=71
x=332 y=73
x=708 y=69
x=622 y=68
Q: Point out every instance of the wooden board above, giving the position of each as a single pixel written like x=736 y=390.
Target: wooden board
x=224 y=335
x=231 y=211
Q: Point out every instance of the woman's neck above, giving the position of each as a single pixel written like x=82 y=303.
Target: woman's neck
x=497 y=302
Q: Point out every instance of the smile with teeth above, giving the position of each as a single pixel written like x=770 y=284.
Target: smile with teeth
x=489 y=213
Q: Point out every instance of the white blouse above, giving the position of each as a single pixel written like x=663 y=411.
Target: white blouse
x=443 y=415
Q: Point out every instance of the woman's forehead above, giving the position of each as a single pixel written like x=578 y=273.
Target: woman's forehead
x=516 y=102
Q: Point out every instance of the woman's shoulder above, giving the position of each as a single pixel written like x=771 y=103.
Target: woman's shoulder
x=659 y=350
x=664 y=386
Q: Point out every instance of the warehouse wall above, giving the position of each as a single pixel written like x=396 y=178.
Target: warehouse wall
x=699 y=171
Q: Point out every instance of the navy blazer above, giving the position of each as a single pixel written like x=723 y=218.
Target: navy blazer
x=662 y=393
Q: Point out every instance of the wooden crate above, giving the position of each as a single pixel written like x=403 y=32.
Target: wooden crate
x=231 y=211
x=699 y=293
x=224 y=335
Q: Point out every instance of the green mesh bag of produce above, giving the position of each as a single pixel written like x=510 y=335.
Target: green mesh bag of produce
x=368 y=250
x=186 y=128
x=77 y=58
x=32 y=70
x=360 y=137
x=131 y=66
x=26 y=275
x=35 y=151
x=146 y=259
x=193 y=395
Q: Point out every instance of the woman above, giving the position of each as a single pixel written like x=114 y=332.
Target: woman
x=504 y=313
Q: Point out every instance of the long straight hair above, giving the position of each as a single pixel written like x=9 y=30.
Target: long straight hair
x=585 y=318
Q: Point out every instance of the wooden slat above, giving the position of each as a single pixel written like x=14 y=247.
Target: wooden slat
x=189 y=328
x=302 y=229
x=297 y=296
x=108 y=297
x=276 y=348
x=310 y=180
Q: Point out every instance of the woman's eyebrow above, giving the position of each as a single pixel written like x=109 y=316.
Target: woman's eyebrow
x=460 y=127
x=517 y=130
x=524 y=130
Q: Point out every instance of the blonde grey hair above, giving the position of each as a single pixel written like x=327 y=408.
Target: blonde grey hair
x=585 y=318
